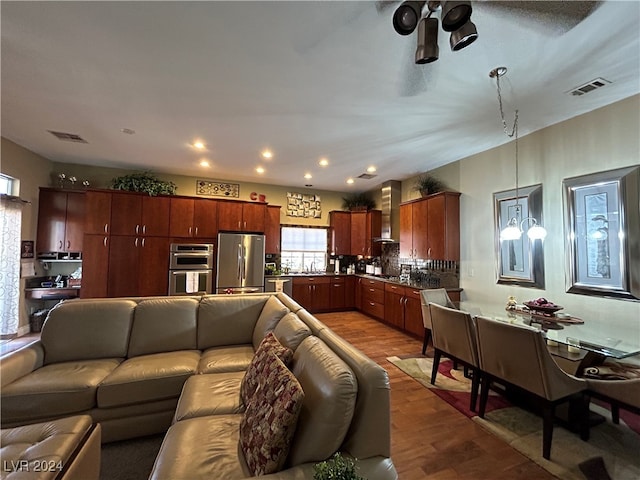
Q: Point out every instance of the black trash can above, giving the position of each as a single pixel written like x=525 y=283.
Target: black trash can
x=37 y=319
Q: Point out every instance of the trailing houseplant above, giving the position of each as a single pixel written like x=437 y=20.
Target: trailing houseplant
x=336 y=468
x=427 y=184
x=144 y=182
x=358 y=201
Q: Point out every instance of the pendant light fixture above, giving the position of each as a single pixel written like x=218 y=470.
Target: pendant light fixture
x=513 y=230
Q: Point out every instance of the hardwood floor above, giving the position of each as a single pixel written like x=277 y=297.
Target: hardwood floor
x=430 y=439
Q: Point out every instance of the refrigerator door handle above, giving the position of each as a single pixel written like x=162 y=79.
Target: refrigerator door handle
x=239 y=261
x=244 y=265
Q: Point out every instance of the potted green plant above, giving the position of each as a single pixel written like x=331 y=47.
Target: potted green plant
x=358 y=201
x=427 y=184
x=144 y=182
x=336 y=468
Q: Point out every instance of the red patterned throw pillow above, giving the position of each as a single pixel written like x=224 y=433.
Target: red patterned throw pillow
x=269 y=422
x=260 y=360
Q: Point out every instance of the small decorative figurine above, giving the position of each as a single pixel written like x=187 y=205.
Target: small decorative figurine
x=511 y=303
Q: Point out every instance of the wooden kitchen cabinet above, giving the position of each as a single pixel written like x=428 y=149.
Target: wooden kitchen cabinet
x=95 y=266
x=60 y=221
x=138 y=266
x=313 y=292
x=237 y=216
x=394 y=305
x=430 y=227
x=272 y=230
x=193 y=218
x=358 y=293
x=136 y=214
x=340 y=232
x=338 y=299
x=413 y=312
x=372 y=292
x=97 y=218
x=365 y=226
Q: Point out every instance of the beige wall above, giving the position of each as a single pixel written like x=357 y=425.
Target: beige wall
x=601 y=140
x=33 y=171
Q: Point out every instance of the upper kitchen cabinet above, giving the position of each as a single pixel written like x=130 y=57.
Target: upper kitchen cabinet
x=135 y=214
x=237 y=216
x=60 y=221
x=340 y=228
x=365 y=226
x=98 y=213
x=272 y=230
x=193 y=218
x=430 y=227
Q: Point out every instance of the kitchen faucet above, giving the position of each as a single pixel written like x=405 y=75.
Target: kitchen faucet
x=312 y=267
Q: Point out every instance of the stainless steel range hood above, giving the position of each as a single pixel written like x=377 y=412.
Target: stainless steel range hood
x=390 y=207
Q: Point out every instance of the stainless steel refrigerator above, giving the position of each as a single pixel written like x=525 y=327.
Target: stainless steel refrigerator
x=240 y=265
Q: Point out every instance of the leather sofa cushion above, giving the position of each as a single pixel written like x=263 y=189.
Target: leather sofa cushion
x=51 y=444
x=226 y=359
x=330 y=389
x=228 y=319
x=213 y=394
x=55 y=390
x=291 y=331
x=204 y=447
x=163 y=325
x=270 y=315
x=148 y=378
x=81 y=330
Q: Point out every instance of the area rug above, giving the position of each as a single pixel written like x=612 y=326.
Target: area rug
x=617 y=446
x=129 y=459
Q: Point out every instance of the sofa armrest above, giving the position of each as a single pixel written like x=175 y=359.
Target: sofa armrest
x=21 y=362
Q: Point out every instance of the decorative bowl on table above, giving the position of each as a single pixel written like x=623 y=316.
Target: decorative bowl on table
x=543 y=306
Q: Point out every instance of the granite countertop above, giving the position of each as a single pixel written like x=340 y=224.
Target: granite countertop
x=383 y=278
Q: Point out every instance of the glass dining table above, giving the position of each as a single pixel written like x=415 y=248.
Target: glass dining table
x=576 y=334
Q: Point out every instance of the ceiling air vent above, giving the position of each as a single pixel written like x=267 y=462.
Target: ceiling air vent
x=67 y=137
x=588 y=87
x=367 y=176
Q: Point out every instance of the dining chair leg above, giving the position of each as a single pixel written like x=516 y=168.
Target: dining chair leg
x=436 y=362
x=615 y=413
x=548 y=412
x=427 y=336
x=584 y=420
x=475 y=385
x=484 y=394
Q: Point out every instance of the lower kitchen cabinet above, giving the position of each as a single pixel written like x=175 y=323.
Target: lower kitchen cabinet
x=338 y=293
x=394 y=305
x=372 y=297
x=313 y=292
x=413 y=312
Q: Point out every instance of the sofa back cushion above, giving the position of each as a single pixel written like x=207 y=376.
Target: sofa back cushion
x=87 y=329
x=163 y=325
x=228 y=319
x=291 y=331
x=330 y=390
x=270 y=315
x=370 y=431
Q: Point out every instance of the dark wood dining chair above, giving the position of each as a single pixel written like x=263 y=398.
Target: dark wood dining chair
x=518 y=356
x=454 y=336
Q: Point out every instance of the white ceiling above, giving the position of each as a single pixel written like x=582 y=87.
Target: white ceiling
x=306 y=79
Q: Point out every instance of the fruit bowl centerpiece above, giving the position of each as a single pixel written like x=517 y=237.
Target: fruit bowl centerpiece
x=543 y=306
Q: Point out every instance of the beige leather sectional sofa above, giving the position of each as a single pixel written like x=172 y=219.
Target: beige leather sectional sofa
x=139 y=366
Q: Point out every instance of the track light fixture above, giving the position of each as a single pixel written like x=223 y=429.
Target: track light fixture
x=406 y=17
x=455 y=17
x=427 y=50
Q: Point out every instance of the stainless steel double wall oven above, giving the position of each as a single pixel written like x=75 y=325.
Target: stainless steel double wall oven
x=191 y=268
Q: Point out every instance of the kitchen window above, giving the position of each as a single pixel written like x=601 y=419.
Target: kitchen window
x=304 y=249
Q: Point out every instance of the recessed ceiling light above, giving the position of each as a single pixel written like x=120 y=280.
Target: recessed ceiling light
x=267 y=154
x=307 y=176
x=204 y=163
x=260 y=170
x=371 y=169
x=308 y=185
x=128 y=131
x=198 y=144
x=350 y=181
x=323 y=162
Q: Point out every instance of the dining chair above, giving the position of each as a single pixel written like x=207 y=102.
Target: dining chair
x=432 y=295
x=617 y=383
x=518 y=356
x=454 y=335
